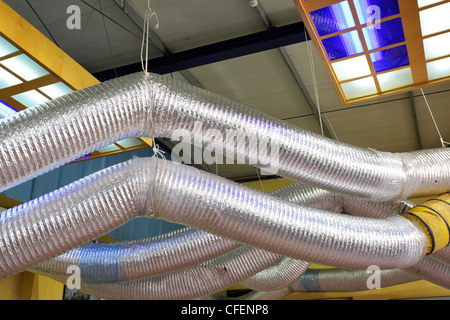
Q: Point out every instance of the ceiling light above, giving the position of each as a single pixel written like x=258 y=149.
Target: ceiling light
x=437 y=46
x=30 y=98
x=351 y=68
x=24 y=67
x=7 y=79
x=56 y=90
x=395 y=79
x=435 y=19
x=6 y=110
x=359 y=88
x=6 y=48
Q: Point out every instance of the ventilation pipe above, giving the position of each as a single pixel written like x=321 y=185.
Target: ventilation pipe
x=84 y=210
x=42 y=138
x=139 y=259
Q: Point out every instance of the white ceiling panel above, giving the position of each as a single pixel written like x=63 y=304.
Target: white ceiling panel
x=261 y=81
x=281 y=13
x=384 y=127
x=439 y=105
x=189 y=24
x=309 y=123
x=328 y=99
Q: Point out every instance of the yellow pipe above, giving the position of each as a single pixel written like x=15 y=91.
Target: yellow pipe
x=433 y=216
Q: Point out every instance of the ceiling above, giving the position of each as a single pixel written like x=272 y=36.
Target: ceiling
x=278 y=81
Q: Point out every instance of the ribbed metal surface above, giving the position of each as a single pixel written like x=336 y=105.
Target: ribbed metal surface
x=342 y=280
x=74 y=125
x=69 y=217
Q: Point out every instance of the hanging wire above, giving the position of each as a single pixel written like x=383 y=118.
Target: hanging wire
x=37 y=15
x=260 y=181
x=107 y=37
x=313 y=73
x=331 y=125
x=149 y=14
x=83 y=30
x=109 y=18
x=443 y=143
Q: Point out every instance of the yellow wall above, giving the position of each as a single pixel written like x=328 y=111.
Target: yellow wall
x=29 y=286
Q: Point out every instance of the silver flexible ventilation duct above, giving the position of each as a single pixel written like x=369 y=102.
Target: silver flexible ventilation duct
x=278 y=276
x=432 y=269
x=328 y=280
x=84 y=210
x=47 y=136
x=134 y=260
x=194 y=282
x=341 y=280
x=138 y=259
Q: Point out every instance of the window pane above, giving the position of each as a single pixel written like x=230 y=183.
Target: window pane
x=438 y=69
x=332 y=19
x=395 y=79
x=30 y=98
x=25 y=67
x=384 y=34
x=7 y=79
x=345 y=45
x=372 y=10
x=437 y=46
x=351 y=68
x=6 y=47
x=390 y=58
x=359 y=88
x=435 y=19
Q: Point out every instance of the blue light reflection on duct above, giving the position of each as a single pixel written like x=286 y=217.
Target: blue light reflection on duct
x=6 y=110
x=335 y=18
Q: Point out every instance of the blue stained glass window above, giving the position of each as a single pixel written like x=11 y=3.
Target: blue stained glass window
x=370 y=11
x=384 y=34
x=335 y=18
x=342 y=46
x=390 y=58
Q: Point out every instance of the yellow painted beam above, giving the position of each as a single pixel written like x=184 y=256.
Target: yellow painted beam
x=31 y=41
